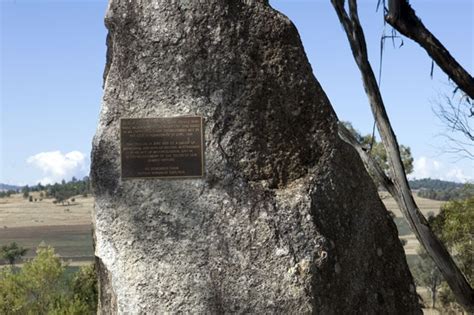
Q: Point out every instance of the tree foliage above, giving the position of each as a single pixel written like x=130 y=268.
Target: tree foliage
x=459 y=193
x=427 y=274
x=12 y=252
x=436 y=184
x=7 y=193
x=41 y=287
x=84 y=287
x=378 y=152
x=25 y=191
x=455 y=226
x=62 y=192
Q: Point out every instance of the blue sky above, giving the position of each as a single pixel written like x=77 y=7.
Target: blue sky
x=53 y=54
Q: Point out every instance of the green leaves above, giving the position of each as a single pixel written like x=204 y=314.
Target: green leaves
x=12 y=252
x=377 y=150
x=455 y=225
x=42 y=287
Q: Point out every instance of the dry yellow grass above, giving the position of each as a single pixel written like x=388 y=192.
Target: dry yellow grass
x=15 y=211
x=425 y=205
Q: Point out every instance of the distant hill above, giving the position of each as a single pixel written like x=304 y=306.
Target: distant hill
x=437 y=184
x=441 y=190
x=6 y=187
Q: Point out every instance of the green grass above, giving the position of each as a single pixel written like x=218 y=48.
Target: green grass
x=412 y=260
x=67 y=242
x=402 y=226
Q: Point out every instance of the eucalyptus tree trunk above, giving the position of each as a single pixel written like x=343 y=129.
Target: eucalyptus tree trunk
x=398 y=186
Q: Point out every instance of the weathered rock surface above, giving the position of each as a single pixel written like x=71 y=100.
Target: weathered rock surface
x=286 y=219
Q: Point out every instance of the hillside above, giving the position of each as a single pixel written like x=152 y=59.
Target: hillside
x=436 y=189
x=6 y=187
x=437 y=184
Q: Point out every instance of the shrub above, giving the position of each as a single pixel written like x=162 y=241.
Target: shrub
x=41 y=287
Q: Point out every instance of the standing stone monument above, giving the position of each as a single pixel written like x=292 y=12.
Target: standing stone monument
x=221 y=184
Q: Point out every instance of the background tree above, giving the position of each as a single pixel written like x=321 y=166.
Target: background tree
x=461 y=192
x=397 y=184
x=26 y=191
x=377 y=150
x=12 y=252
x=455 y=226
x=427 y=274
x=65 y=190
x=39 y=187
x=457 y=115
x=7 y=193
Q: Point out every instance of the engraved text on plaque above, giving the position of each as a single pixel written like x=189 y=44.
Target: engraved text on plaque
x=162 y=147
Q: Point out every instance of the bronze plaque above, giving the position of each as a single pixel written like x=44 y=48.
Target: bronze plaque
x=169 y=147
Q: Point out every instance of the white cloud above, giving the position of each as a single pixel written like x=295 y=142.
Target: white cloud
x=424 y=167
x=458 y=175
x=57 y=166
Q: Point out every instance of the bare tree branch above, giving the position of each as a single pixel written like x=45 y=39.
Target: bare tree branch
x=456 y=116
x=400 y=189
x=403 y=18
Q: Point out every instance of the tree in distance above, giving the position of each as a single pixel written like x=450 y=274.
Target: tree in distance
x=456 y=116
x=427 y=274
x=26 y=192
x=377 y=150
x=12 y=252
x=454 y=225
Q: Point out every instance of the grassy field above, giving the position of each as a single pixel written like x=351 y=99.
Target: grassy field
x=68 y=227
x=427 y=207
x=69 y=241
x=16 y=211
x=65 y=227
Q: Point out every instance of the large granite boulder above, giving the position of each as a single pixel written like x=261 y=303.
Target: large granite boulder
x=285 y=220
